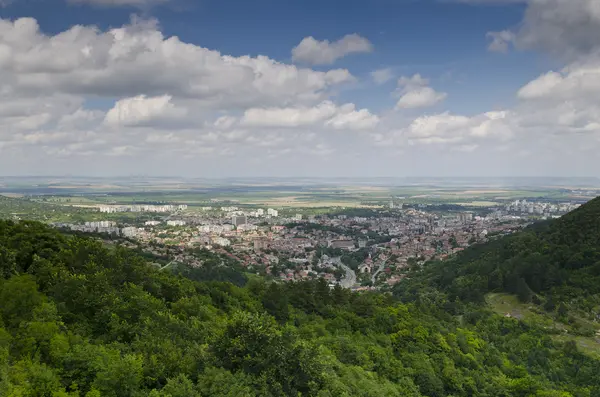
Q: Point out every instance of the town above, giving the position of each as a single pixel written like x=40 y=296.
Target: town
x=355 y=248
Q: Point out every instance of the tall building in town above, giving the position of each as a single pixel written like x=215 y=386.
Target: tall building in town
x=465 y=217
x=239 y=220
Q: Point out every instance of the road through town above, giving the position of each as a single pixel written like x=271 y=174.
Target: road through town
x=379 y=270
x=349 y=278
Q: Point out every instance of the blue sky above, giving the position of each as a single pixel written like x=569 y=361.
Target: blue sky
x=461 y=102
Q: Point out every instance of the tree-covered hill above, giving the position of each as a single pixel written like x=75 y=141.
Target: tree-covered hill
x=77 y=319
x=550 y=263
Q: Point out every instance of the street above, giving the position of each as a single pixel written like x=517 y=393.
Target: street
x=349 y=278
x=379 y=270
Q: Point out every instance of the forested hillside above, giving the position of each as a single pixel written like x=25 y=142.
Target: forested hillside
x=551 y=263
x=77 y=319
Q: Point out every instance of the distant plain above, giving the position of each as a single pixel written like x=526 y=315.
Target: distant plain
x=296 y=192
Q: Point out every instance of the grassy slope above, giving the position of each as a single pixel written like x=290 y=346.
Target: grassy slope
x=506 y=304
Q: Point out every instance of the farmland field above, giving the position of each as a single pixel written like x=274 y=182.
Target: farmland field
x=292 y=193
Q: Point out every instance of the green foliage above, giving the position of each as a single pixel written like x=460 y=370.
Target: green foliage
x=523 y=291
x=354 y=259
x=78 y=320
x=211 y=271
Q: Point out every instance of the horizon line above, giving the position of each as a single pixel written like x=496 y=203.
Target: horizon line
x=302 y=177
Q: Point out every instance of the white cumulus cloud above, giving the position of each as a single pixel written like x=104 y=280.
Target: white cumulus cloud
x=315 y=52
x=141 y=110
x=325 y=113
x=446 y=127
x=574 y=82
x=415 y=93
x=289 y=117
x=349 y=118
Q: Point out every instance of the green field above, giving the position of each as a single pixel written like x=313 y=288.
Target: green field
x=56 y=212
x=308 y=197
x=295 y=193
x=505 y=304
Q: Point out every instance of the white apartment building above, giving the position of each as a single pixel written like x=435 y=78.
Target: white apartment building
x=204 y=229
x=223 y=242
x=129 y=231
x=215 y=229
x=99 y=224
x=247 y=228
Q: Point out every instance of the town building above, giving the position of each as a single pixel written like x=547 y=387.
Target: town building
x=239 y=220
x=342 y=244
x=365 y=268
x=129 y=232
x=100 y=224
x=465 y=217
x=261 y=244
x=223 y=242
x=247 y=227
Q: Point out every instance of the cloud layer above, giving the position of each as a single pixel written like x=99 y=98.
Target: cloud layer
x=167 y=98
x=569 y=29
x=132 y=100
x=138 y=59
